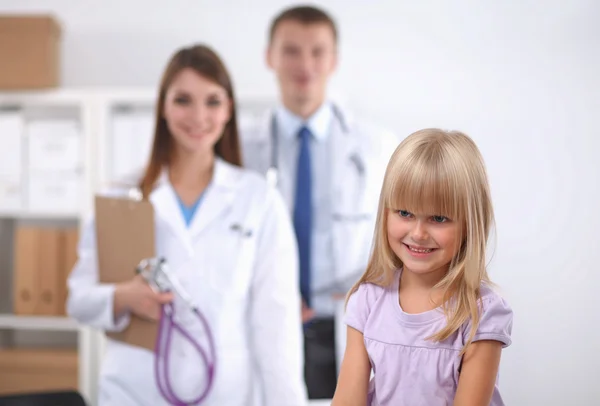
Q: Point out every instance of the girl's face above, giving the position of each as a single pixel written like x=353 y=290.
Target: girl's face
x=196 y=111
x=425 y=243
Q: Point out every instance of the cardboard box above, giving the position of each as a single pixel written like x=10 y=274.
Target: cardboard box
x=54 y=192
x=30 y=48
x=53 y=145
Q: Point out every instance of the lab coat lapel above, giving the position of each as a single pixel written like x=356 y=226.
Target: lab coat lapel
x=348 y=171
x=258 y=155
x=351 y=231
x=218 y=197
x=164 y=200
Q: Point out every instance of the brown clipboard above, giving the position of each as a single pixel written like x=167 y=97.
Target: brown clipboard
x=124 y=236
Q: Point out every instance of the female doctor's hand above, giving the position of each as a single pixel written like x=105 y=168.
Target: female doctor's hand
x=137 y=297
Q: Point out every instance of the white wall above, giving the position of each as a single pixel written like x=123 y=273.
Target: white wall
x=521 y=77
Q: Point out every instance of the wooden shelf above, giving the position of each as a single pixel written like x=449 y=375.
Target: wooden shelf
x=24 y=214
x=44 y=323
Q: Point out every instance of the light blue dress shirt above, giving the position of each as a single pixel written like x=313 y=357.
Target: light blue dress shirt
x=322 y=261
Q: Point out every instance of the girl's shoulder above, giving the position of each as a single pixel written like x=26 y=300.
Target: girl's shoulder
x=363 y=301
x=495 y=317
x=368 y=292
x=489 y=295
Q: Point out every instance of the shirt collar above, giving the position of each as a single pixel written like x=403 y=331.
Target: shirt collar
x=319 y=123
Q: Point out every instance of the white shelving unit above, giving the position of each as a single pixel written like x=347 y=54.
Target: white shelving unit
x=76 y=108
x=95 y=111
x=10 y=321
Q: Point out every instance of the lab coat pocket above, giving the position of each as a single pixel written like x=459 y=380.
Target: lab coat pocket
x=353 y=236
x=232 y=272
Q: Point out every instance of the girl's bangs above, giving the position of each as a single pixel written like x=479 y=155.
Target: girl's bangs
x=426 y=187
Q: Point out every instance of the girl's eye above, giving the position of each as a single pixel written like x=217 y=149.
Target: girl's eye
x=440 y=219
x=403 y=213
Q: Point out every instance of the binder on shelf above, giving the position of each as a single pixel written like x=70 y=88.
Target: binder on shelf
x=124 y=236
x=41 y=269
x=43 y=259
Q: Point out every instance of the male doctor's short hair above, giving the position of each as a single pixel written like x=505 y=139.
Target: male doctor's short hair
x=305 y=15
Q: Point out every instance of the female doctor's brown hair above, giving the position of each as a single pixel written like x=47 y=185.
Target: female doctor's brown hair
x=206 y=63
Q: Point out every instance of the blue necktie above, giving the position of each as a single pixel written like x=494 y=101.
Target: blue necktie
x=303 y=211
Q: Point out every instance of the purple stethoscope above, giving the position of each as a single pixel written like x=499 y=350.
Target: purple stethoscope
x=156 y=273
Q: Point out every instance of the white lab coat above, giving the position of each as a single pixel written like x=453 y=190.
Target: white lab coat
x=359 y=159
x=247 y=288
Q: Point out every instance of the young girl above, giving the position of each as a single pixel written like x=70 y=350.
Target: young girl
x=423 y=317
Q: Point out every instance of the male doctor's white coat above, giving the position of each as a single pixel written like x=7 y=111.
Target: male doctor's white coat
x=238 y=261
x=360 y=153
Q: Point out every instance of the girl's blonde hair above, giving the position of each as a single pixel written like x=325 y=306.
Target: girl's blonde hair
x=440 y=173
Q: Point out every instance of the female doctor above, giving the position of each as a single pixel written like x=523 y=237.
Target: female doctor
x=226 y=236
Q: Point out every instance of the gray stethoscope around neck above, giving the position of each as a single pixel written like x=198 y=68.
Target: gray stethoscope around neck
x=273 y=171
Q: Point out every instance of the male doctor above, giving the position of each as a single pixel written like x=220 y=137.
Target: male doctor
x=329 y=169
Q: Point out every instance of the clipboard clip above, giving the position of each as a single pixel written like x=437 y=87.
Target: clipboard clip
x=156 y=272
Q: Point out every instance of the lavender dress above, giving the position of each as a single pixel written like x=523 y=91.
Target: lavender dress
x=409 y=370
